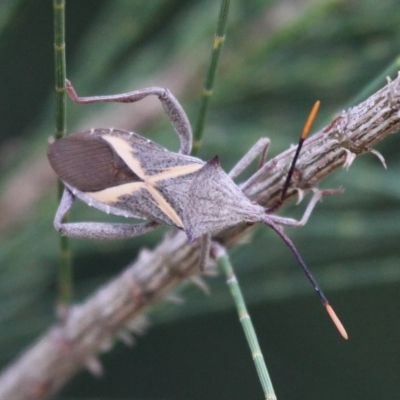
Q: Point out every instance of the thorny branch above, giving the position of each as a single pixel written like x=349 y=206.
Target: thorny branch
x=108 y=314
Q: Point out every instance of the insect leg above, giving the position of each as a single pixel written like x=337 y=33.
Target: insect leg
x=317 y=196
x=204 y=251
x=170 y=104
x=95 y=230
x=260 y=147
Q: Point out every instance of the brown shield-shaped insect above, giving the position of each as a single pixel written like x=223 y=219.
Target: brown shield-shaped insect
x=123 y=173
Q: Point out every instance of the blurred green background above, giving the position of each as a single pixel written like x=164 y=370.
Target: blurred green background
x=279 y=57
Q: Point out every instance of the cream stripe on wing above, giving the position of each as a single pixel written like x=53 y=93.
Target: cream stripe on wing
x=174 y=172
x=124 y=150
x=111 y=195
x=164 y=206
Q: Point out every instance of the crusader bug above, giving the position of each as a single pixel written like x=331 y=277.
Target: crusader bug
x=123 y=173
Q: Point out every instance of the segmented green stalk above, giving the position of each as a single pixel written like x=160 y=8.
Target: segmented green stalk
x=65 y=272
x=247 y=325
x=224 y=262
x=219 y=39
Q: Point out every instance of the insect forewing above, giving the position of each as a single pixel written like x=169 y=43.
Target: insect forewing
x=123 y=173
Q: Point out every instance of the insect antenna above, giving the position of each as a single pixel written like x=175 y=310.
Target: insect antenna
x=303 y=136
x=286 y=239
x=309 y=276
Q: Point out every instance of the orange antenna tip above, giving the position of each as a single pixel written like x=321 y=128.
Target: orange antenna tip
x=310 y=120
x=303 y=136
x=336 y=321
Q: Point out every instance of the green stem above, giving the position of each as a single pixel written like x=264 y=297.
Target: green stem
x=65 y=273
x=60 y=67
x=247 y=325
x=219 y=39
